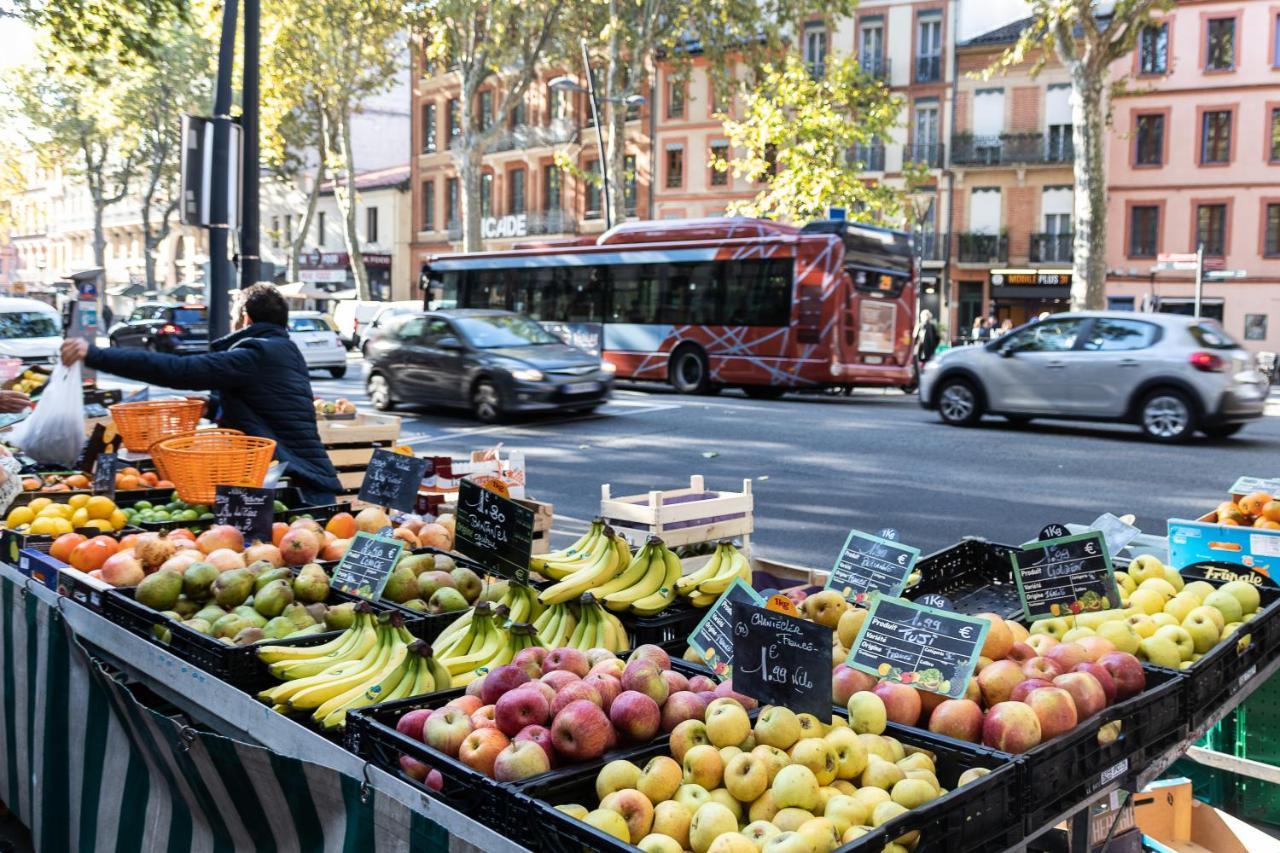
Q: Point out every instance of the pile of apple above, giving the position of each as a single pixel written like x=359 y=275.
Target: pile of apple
x=791 y=783
x=548 y=708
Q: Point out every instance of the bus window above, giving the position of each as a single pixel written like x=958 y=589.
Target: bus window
x=633 y=294
x=584 y=295
x=487 y=289
x=758 y=292
x=881 y=284
x=693 y=293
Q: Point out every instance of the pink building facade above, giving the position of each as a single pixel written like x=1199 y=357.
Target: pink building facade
x=1194 y=158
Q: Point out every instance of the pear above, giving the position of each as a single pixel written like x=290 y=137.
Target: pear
x=197 y=579
x=273 y=598
x=231 y=588
x=307 y=631
x=210 y=613
x=446 y=600
x=259 y=567
x=248 y=636
x=468 y=583
x=341 y=617
x=416 y=604
x=200 y=626
x=270 y=574
x=401 y=586
x=185 y=607
x=160 y=590
x=299 y=615
x=253 y=617
x=417 y=563
x=318 y=611
x=311 y=585
x=230 y=625
x=493 y=593
x=278 y=628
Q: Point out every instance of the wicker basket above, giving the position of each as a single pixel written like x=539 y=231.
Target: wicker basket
x=144 y=423
x=198 y=463
x=157 y=457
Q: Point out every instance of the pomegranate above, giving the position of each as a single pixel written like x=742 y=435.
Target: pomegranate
x=123 y=569
x=262 y=551
x=299 y=546
x=220 y=536
x=225 y=559
x=152 y=551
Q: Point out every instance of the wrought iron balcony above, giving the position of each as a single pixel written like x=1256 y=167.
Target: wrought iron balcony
x=871 y=157
x=1010 y=148
x=928 y=69
x=930 y=245
x=552 y=222
x=928 y=154
x=875 y=66
x=982 y=248
x=523 y=136
x=1052 y=248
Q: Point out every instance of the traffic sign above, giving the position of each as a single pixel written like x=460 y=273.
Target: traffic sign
x=1166 y=266
x=1220 y=274
x=1215 y=263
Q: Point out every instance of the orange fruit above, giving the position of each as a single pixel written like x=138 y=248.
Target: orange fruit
x=278 y=530
x=342 y=525
x=30 y=484
x=163 y=484
x=150 y=478
x=77 y=481
x=128 y=481
x=127 y=541
x=1253 y=504
x=130 y=470
x=1271 y=510
x=1267 y=524
x=64 y=545
x=58 y=487
x=92 y=553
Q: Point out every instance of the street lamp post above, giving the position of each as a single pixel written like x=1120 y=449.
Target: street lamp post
x=921 y=204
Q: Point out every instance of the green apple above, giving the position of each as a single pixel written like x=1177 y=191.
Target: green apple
x=724 y=798
x=886 y=812
x=1077 y=634
x=972 y=774
x=759 y=832
x=692 y=797
x=672 y=820
x=1161 y=619
x=1148 y=601
x=795 y=786
x=787 y=842
x=1145 y=567
x=778 y=726
x=913 y=792
x=1120 y=634
x=1161 y=651
x=573 y=810
x=774 y=759
x=1227 y=604
x=1228 y=630
x=1142 y=625
x=791 y=819
x=703 y=766
x=1200 y=589
x=764 y=808
x=1174 y=578
x=1180 y=638
x=1211 y=613
x=1180 y=605
x=615 y=776
x=1245 y=593
x=1203 y=630
x=851 y=755
x=609 y=822
x=746 y=776
x=656 y=842
x=1055 y=628
x=881 y=774
x=845 y=811
x=710 y=821
x=1125 y=583
x=1160 y=585
x=816 y=754
x=820 y=834
x=867 y=714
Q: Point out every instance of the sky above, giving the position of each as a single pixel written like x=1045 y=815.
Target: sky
x=16 y=36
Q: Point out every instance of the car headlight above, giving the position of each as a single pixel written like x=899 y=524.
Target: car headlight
x=608 y=367
x=527 y=374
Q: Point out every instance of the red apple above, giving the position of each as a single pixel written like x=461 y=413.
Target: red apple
x=578 y=690
x=446 y=732
x=957 y=718
x=608 y=687
x=1096 y=647
x=1100 y=672
x=845 y=681
x=475 y=688
x=566 y=660
x=901 y=703
x=411 y=723
x=1021 y=652
x=1041 y=642
x=480 y=749
x=483 y=718
x=997 y=680
x=500 y=680
x=520 y=760
x=928 y=702
x=675 y=681
x=706 y=697
x=725 y=688
x=644 y=676
x=656 y=654
x=596 y=655
x=1055 y=709
x=530 y=660
x=541 y=735
x=679 y=707
x=435 y=780
x=1067 y=655
x=1127 y=673
x=467 y=704
x=545 y=689
x=699 y=683
x=1011 y=727
x=524 y=706
x=1038 y=667
x=636 y=716
x=413 y=768
x=611 y=666
x=558 y=678
x=1020 y=692
x=581 y=731
x=1085 y=689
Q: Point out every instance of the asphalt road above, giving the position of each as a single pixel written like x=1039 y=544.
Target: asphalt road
x=822 y=465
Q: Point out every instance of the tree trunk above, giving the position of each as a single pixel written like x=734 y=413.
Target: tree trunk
x=470 y=157
x=1088 y=116
x=345 y=195
x=616 y=160
x=299 y=239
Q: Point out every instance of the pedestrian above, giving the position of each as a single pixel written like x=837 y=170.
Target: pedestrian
x=925 y=340
x=988 y=330
x=262 y=384
x=1005 y=327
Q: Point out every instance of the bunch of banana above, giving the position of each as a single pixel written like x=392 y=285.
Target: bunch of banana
x=609 y=558
x=489 y=641
x=585 y=625
x=648 y=584
x=375 y=660
x=583 y=554
x=705 y=585
x=521 y=601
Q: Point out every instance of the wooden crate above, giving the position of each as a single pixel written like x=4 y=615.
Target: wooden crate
x=542 y=515
x=682 y=516
x=350 y=445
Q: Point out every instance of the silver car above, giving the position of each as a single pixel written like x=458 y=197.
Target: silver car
x=1169 y=373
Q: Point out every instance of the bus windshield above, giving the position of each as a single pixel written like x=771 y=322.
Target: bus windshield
x=503 y=330
x=883 y=284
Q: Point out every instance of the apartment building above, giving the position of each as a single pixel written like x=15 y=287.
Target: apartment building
x=1011 y=181
x=1194 y=160
x=525 y=194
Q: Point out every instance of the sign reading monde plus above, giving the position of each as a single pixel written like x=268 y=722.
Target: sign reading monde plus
x=514 y=225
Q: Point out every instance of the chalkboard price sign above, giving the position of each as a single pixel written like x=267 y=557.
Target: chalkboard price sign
x=494 y=531
x=870 y=564
x=782 y=660
x=104 y=474
x=392 y=480
x=368 y=563
x=247 y=509
x=1065 y=576
x=713 y=638
x=1053 y=531
x=919 y=646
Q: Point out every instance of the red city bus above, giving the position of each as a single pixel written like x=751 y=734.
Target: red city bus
x=711 y=302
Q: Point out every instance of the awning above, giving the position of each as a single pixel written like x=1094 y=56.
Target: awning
x=184 y=291
x=131 y=289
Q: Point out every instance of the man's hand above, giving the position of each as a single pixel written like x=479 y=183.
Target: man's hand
x=73 y=350
x=12 y=402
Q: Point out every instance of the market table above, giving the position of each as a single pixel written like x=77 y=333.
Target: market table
x=90 y=761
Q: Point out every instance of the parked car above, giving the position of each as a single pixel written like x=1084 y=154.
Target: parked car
x=30 y=330
x=386 y=311
x=319 y=343
x=172 y=327
x=1168 y=373
x=494 y=363
x=351 y=315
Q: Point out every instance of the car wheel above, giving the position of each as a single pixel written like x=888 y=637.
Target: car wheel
x=1166 y=415
x=689 y=372
x=338 y=372
x=763 y=392
x=379 y=390
x=958 y=403
x=1223 y=430
x=486 y=402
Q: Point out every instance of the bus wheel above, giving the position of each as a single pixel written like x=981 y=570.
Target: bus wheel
x=689 y=372
x=763 y=392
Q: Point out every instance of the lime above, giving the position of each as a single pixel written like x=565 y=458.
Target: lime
x=160 y=515
x=141 y=505
x=206 y=516
x=279 y=506
x=202 y=509
x=188 y=515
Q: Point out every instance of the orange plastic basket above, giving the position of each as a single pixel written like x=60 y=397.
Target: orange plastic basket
x=157 y=456
x=144 y=423
x=198 y=463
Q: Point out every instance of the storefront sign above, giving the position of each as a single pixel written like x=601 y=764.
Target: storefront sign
x=782 y=660
x=1065 y=576
x=871 y=563
x=919 y=646
x=515 y=225
x=713 y=638
x=1030 y=278
x=494 y=531
x=368 y=563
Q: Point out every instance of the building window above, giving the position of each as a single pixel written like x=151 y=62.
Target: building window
x=1211 y=229
x=275 y=231
x=1150 y=141
x=1215 y=137
x=1255 y=327
x=556 y=105
x=815 y=48
x=1271 y=239
x=371 y=224
x=1220 y=48
x=288 y=228
x=1275 y=134
x=429 y=128
x=929 y=48
x=485 y=112
x=429 y=206
x=629 y=184
x=719 y=153
x=486 y=194
x=1059 y=144
x=455 y=121
x=1153 y=49
x=675 y=166
x=517 y=115
x=675 y=98
x=594 y=194
x=551 y=180
x=515 y=191
x=450 y=202
x=1144 y=230
x=871 y=46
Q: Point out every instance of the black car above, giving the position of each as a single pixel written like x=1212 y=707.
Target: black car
x=172 y=327
x=493 y=362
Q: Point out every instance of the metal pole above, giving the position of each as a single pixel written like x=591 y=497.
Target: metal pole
x=1199 y=276
x=220 y=271
x=595 y=116
x=250 y=263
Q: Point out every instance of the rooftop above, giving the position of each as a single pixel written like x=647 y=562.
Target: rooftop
x=393 y=176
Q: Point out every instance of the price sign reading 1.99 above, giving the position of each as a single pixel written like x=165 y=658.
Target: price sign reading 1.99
x=782 y=660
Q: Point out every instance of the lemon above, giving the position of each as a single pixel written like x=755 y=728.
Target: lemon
x=61 y=526
x=118 y=519
x=79 y=517
x=20 y=515
x=99 y=524
x=51 y=511
x=78 y=501
x=39 y=504
x=100 y=507
x=44 y=526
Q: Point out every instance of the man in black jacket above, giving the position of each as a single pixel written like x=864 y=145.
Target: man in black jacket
x=263 y=385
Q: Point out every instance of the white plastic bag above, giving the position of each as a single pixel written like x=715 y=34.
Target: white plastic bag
x=54 y=432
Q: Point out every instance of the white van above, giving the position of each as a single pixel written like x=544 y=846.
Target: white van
x=352 y=315
x=29 y=329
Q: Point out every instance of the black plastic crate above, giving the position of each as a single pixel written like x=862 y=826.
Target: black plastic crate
x=675 y=622
x=982 y=815
x=290 y=496
x=976 y=575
